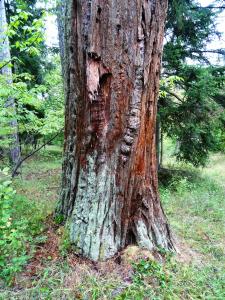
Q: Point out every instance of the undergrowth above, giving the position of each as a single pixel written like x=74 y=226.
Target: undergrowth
x=20 y=222
x=174 y=281
x=194 y=203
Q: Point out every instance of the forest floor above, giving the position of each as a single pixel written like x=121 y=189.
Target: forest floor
x=194 y=201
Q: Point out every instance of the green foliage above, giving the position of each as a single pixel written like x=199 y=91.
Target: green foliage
x=173 y=281
x=189 y=29
x=59 y=219
x=26 y=34
x=149 y=268
x=65 y=243
x=19 y=223
x=191 y=109
x=148 y=274
x=190 y=113
x=39 y=109
x=54 y=104
x=30 y=36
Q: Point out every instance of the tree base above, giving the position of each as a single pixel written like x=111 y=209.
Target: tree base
x=100 y=224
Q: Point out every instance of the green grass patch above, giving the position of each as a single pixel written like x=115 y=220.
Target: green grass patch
x=194 y=201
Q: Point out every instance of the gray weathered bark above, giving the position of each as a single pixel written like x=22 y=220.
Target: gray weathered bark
x=61 y=6
x=6 y=70
x=110 y=190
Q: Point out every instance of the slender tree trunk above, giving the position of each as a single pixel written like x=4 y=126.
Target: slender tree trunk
x=110 y=186
x=161 y=148
x=61 y=6
x=158 y=144
x=7 y=72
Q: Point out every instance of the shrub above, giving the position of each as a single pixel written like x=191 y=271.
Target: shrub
x=19 y=223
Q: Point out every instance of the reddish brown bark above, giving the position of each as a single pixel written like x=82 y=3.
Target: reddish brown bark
x=110 y=188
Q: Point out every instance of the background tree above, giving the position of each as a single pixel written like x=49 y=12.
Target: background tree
x=9 y=103
x=38 y=108
x=191 y=110
x=109 y=188
x=193 y=115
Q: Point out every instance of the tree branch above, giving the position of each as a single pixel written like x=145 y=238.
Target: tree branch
x=5 y=64
x=219 y=51
x=175 y=95
x=19 y=163
x=209 y=7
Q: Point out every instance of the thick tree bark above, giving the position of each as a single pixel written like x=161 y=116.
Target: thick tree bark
x=110 y=187
x=6 y=70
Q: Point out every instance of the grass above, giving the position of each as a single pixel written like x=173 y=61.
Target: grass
x=194 y=201
x=40 y=178
x=195 y=207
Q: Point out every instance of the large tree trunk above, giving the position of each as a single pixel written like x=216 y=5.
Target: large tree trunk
x=110 y=187
x=6 y=70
